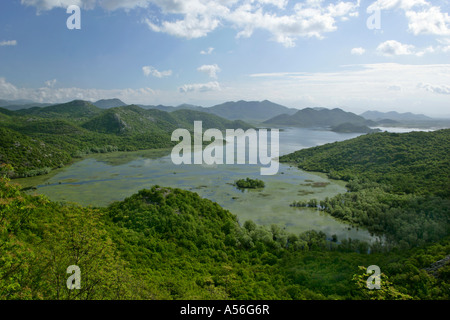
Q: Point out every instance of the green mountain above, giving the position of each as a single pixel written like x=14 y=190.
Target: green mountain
x=126 y=120
x=249 y=110
x=310 y=117
x=75 y=110
x=398 y=184
x=78 y=128
x=415 y=162
x=393 y=115
x=158 y=107
x=29 y=156
x=135 y=120
x=187 y=118
x=109 y=103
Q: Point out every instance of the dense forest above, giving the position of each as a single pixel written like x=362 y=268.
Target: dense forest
x=166 y=243
x=399 y=184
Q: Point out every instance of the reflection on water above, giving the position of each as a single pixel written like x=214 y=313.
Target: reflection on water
x=101 y=179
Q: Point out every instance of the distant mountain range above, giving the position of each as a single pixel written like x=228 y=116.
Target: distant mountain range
x=310 y=117
x=21 y=104
x=254 y=111
x=265 y=112
x=74 y=110
x=393 y=115
x=250 y=110
x=109 y=103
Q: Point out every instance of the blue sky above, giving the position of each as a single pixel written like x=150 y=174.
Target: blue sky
x=204 y=52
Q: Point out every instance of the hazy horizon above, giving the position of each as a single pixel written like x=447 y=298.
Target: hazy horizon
x=355 y=55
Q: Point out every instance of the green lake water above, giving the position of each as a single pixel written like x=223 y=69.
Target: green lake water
x=100 y=179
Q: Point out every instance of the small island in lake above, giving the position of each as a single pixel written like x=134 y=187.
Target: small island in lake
x=249 y=183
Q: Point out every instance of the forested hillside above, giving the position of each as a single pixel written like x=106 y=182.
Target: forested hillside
x=398 y=184
x=166 y=243
x=310 y=117
x=416 y=162
x=77 y=128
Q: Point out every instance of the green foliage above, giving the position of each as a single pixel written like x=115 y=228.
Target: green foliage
x=398 y=184
x=415 y=162
x=385 y=292
x=164 y=243
x=29 y=156
x=249 y=183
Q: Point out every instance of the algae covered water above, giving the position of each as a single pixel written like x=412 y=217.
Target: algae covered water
x=101 y=179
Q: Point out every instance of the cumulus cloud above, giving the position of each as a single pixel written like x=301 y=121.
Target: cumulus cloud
x=422 y=16
x=358 y=51
x=210 y=69
x=149 y=70
x=439 y=89
x=429 y=21
x=200 y=87
x=309 y=19
x=396 y=4
x=197 y=18
x=395 y=48
x=206 y=52
x=8 y=43
x=190 y=27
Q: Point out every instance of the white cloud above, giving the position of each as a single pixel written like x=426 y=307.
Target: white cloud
x=309 y=19
x=44 y=5
x=358 y=87
x=190 y=27
x=396 y=4
x=429 y=49
x=277 y=3
x=8 y=43
x=50 y=94
x=395 y=48
x=429 y=21
x=210 y=69
x=197 y=18
x=206 y=52
x=50 y=83
x=149 y=70
x=358 y=51
x=422 y=16
x=200 y=87
x=439 y=89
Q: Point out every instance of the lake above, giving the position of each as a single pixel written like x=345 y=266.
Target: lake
x=100 y=179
